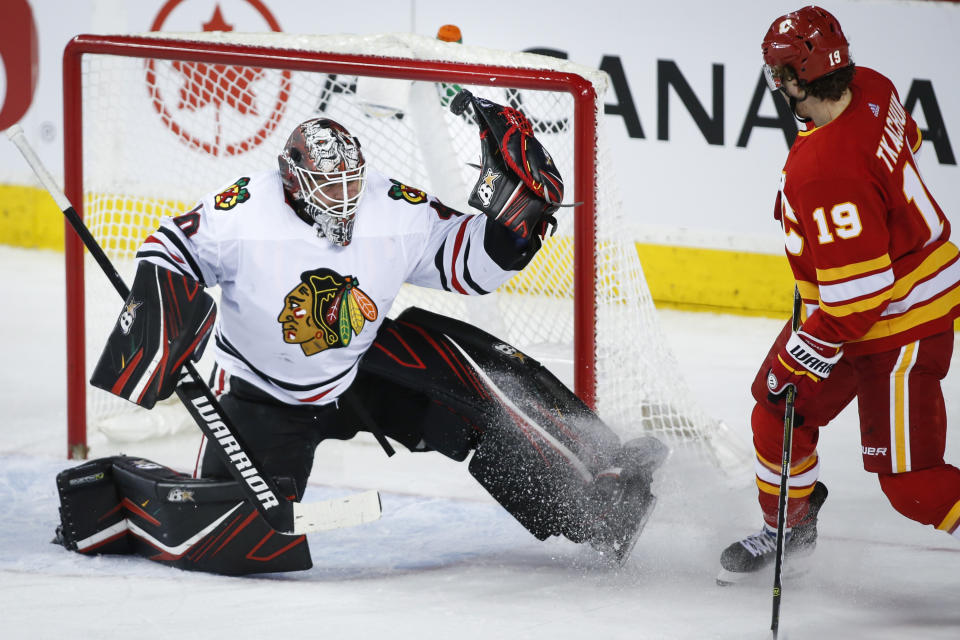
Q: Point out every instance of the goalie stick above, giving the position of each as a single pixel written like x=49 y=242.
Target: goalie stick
x=788 y=419
x=281 y=514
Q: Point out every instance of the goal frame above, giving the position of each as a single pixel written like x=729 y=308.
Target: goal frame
x=585 y=165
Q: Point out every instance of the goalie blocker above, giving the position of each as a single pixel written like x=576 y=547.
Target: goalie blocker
x=166 y=319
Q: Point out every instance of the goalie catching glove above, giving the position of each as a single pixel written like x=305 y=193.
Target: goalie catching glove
x=520 y=187
x=166 y=319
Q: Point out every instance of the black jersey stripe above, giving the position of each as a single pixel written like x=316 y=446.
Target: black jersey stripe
x=438 y=263
x=168 y=263
x=466 y=271
x=228 y=348
x=184 y=252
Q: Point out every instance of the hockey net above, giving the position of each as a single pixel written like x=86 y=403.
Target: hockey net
x=154 y=122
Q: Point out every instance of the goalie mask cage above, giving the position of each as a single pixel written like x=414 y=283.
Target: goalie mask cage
x=154 y=122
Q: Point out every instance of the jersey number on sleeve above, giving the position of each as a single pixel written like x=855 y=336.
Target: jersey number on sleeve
x=189 y=222
x=845 y=219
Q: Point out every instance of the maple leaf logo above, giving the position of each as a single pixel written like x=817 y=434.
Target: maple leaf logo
x=220 y=109
x=217 y=84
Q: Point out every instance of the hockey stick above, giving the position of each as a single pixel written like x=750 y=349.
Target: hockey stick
x=784 y=478
x=367 y=420
x=281 y=514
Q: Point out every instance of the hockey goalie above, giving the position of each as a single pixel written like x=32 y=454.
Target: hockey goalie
x=309 y=257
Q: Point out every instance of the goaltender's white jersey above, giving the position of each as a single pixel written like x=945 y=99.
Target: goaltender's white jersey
x=296 y=312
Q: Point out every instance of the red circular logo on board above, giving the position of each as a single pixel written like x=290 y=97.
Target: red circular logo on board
x=221 y=109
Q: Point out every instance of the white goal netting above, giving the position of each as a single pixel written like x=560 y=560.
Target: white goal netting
x=159 y=132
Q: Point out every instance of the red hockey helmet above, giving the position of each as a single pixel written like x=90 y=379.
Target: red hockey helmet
x=809 y=41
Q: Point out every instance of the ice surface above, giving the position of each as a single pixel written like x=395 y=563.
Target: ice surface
x=445 y=561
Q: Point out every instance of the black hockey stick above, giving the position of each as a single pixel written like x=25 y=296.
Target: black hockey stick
x=367 y=421
x=281 y=514
x=784 y=478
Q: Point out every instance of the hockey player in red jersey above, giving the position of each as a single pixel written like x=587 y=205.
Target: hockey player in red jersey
x=309 y=259
x=880 y=283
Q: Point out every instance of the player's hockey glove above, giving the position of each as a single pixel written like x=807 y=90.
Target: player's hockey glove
x=166 y=319
x=519 y=186
x=803 y=362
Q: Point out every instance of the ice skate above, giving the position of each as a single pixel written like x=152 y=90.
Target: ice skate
x=748 y=556
x=625 y=500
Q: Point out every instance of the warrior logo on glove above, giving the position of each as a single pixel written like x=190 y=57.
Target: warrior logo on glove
x=804 y=362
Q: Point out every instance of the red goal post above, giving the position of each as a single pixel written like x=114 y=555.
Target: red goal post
x=115 y=92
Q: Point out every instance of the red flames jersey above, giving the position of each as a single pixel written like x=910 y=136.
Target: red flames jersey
x=868 y=244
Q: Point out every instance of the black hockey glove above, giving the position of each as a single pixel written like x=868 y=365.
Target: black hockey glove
x=520 y=187
x=166 y=319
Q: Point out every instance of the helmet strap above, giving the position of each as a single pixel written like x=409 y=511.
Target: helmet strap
x=299 y=208
x=793 y=104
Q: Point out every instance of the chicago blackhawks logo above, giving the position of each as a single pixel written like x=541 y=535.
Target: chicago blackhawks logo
x=325 y=311
x=400 y=191
x=232 y=195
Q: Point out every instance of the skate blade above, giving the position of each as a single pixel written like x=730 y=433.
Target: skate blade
x=795 y=569
x=729 y=578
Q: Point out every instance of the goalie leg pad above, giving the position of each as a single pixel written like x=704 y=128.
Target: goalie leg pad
x=91 y=519
x=134 y=506
x=166 y=319
x=443 y=381
x=536 y=488
x=539 y=448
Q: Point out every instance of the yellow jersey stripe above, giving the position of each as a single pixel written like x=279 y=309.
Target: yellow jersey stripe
x=931 y=264
x=953 y=517
x=853 y=269
x=916 y=316
x=899 y=409
x=841 y=310
x=808 y=290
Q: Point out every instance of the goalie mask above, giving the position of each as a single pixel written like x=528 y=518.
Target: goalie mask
x=323 y=174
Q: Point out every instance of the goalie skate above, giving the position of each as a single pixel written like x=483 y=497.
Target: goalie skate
x=745 y=558
x=623 y=493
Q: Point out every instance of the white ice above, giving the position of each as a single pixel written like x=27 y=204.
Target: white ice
x=445 y=561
